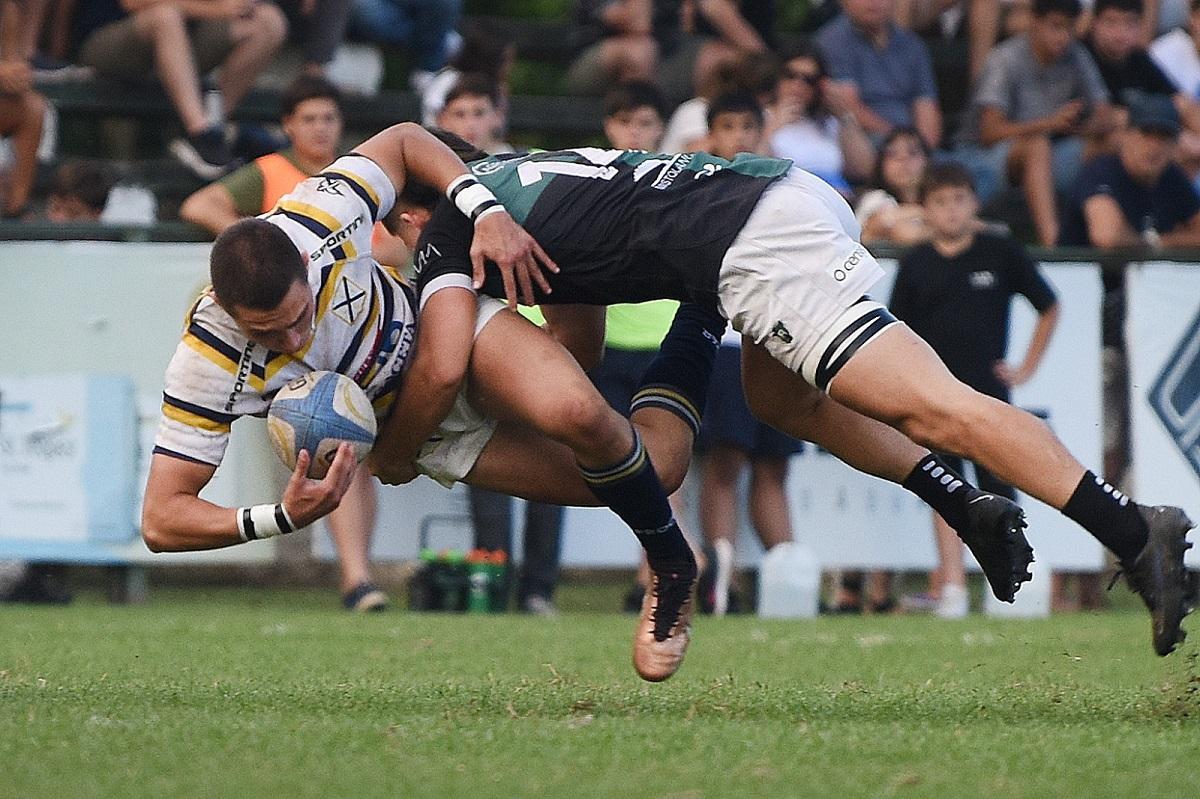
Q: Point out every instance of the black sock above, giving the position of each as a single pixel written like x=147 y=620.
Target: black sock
x=941 y=488
x=678 y=377
x=632 y=490
x=1109 y=515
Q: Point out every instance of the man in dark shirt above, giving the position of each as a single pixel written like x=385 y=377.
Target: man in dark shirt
x=1138 y=196
x=776 y=251
x=955 y=292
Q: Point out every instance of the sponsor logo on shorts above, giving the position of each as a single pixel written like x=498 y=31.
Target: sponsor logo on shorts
x=1175 y=396
x=842 y=273
x=781 y=332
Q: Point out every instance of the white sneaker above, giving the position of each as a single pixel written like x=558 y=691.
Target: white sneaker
x=954 y=603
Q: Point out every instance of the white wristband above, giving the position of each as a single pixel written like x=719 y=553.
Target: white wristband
x=472 y=197
x=263 y=521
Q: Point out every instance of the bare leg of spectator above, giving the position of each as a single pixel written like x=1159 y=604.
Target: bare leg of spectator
x=165 y=26
x=769 y=512
x=258 y=38
x=351 y=527
x=21 y=118
x=1031 y=158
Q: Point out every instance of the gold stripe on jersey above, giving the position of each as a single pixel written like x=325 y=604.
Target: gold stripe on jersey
x=358 y=181
x=275 y=364
x=219 y=358
x=194 y=419
x=322 y=218
x=323 y=300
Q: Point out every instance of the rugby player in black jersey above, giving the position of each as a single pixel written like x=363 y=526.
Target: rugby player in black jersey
x=775 y=251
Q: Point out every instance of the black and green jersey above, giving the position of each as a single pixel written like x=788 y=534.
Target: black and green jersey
x=623 y=226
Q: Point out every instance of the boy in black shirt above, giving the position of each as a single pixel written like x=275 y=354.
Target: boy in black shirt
x=955 y=293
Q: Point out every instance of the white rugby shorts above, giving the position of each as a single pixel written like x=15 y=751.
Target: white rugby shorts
x=794 y=277
x=452 y=451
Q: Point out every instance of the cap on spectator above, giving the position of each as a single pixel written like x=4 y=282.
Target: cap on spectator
x=1154 y=113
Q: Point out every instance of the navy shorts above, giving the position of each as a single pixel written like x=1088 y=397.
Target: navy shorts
x=727 y=419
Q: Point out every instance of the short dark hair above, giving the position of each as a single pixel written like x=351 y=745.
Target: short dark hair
x=902 y=132
x=253 y=265
x=307 y=87
x=625 y=97
x=1068 y=8
x=734 y=103
x=87 y=181
x=945 y=174
x=423 y=196
x=473 y=84
x=1134 y=6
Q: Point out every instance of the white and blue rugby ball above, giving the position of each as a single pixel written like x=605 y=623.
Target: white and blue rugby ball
x=317 y=412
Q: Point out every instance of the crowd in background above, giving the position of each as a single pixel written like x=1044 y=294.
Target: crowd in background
x=1063 y=122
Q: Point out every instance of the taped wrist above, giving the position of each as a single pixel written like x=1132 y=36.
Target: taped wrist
x=263 y=521
x=472 y=198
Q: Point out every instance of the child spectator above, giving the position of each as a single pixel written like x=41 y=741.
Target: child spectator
x=1039 y=94
x=892 y=211
x=472 y=112
x=955 y=292
x=634 y=118
x=481 y=53
x=885 y=70
x=731 y=438
x=78 y=192
x=811 y=123
x=179 y=43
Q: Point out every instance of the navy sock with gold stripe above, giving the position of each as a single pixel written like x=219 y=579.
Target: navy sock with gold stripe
x=678 y=377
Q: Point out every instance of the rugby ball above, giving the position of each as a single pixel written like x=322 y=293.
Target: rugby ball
x=317 y=412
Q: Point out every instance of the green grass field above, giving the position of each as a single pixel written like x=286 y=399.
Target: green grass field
x=259 y=694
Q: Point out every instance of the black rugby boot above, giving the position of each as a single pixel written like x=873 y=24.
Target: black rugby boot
x=996 y=538
x=1159 y=577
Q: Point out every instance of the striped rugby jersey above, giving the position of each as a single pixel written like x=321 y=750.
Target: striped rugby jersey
x=365 y=319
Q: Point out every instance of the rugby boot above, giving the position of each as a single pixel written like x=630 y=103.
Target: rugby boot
x=1159 y=577
x=664 y=628
x=996 y=538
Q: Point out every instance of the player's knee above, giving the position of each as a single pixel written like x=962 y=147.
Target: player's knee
x=945 y=424
x=583 y=419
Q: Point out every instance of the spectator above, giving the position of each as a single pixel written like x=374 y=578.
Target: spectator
x=78 y=193
x=1178 y=54
x=892 y=211
x=731 y=438
x=1039 y=94
x=1137 y=196
x=810 y=122
x=955 y=292
x=634 y=115
x=885 y=71
x=179 y=43
x=481 y=53
x=472 y=112
x=1115 y=42
x=312 y=121
x=491 y=514
x=22 y=111
x=687 y=130
x=980 y=19
x=651 y=40
x=424 y=27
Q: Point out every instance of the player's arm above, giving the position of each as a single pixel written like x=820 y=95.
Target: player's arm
x=1043 y=331
x=409 y=152
x=176 y=519
x=445 y=336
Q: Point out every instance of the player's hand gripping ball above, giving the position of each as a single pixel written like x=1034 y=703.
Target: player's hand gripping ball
x=317 y=412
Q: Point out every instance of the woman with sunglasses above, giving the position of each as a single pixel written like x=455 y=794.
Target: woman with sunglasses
x=809 y=121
